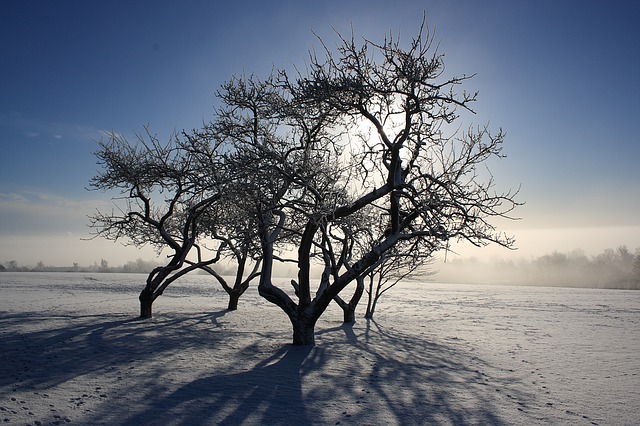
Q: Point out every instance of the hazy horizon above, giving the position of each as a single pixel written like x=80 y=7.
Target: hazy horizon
x=530 y=245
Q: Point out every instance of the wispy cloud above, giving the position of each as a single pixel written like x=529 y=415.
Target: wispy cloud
x=44 y=199
x=12 y=197
x=43 y=213
x=32 y=128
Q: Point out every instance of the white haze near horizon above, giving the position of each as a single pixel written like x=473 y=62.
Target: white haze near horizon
x=70 y=248
x=53 y=230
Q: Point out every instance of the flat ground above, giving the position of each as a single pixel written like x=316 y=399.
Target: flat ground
x=73 y=352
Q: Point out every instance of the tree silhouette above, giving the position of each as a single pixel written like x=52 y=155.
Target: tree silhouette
x=423 y=185
x=349 y=167
x=166 y=198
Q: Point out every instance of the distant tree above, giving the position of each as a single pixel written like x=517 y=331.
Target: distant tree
x=13 y=265
x=552 y=267
x=2 y=268
x=104 y=265
x=625 y=264
x=608 y=269
x=613 y=268
x=636 y=268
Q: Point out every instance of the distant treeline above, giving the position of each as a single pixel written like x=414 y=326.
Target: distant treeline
x=613 y=268
x=135 y=266
x=616 y=269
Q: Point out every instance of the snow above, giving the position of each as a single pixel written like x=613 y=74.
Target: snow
x=72 y=351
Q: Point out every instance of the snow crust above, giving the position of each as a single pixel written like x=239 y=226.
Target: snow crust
x=72 y=351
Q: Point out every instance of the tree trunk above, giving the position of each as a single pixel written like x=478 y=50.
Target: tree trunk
x=303 y=332
x=371 y=309
x=369 y=314
x=234 y=296
x=146 y=303
x=349 y=309
x=349 y=314
x=150 y=292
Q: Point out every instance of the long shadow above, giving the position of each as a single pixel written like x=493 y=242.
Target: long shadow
x=36 y=355
x=270 y=393
x=363 y=374
x=409 y=377
x=353 y=376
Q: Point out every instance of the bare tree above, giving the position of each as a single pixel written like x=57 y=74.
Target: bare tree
x=636 y=268
x=345 y=168
x=229 y=223
x=165 y=199
x=401 y=263
x=424 y=185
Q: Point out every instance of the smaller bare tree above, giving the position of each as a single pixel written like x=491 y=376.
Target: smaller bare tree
x=403 y=262
x=165 y=199
x=230 y=223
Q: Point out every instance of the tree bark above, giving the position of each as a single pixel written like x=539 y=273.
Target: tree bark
x=349 y=314
x=369 y=313
x=353 y=303
x=234 y=296
x=146 y=303
x=303 y=331
x=151 y=292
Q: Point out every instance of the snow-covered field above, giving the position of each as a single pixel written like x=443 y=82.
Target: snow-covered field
x=72 y=351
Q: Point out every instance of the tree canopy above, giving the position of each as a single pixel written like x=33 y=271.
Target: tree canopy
x=350 y=165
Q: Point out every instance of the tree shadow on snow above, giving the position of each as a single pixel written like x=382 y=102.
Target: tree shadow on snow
x=270 y=393
x=405 y=378
x=40 y=351
x=355 y=375
x=50 y=353
x=362 y=374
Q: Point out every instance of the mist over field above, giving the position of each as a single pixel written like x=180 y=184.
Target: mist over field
x=613 y=268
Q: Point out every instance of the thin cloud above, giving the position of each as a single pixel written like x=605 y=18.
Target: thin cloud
x=29 y=212
x=32 y=128
x=12 y=197
x=46 y=226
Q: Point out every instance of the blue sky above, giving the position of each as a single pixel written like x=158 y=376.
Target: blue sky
x=560 y=77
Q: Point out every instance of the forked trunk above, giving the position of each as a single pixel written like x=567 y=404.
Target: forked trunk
x=371 y=308
x=349 y=309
